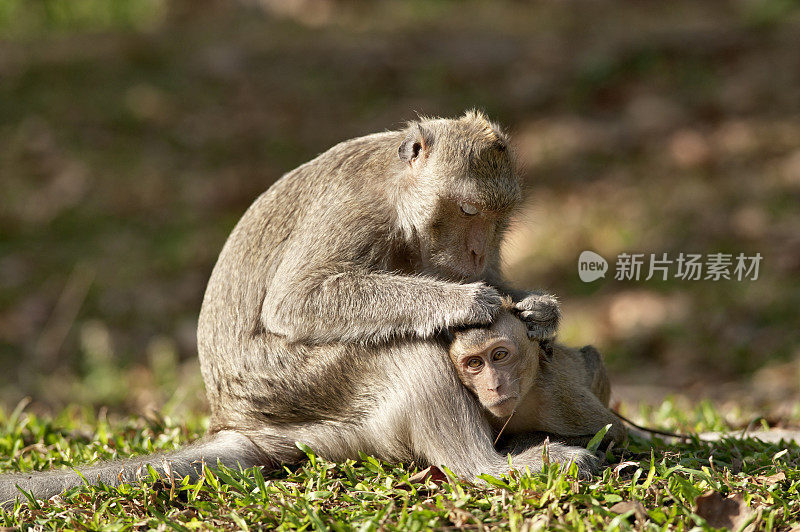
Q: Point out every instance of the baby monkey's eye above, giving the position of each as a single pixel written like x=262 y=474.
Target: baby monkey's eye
x=499 y=354
x=474 y=363
x=469 y=210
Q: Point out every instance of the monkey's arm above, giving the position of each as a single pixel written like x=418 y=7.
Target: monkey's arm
x=229 y=448
x=366 y=306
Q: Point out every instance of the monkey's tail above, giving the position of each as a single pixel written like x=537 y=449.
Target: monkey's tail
x=677 y=435
x=227 y=447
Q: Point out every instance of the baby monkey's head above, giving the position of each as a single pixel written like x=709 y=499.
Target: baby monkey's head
x=555 y=389
x=498 y=364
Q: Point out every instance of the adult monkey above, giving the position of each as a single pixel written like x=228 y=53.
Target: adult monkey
x=320 y=316
x=390 y=237
x=393 y=235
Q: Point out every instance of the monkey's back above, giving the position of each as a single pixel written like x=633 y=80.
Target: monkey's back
x=242 y=363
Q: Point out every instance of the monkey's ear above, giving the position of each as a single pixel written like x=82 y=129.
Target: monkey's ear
x=414 y=145
x=546 y=351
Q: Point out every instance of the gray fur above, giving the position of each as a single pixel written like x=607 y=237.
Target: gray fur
x=357 y=246
x=319 y=320
x=412 y=408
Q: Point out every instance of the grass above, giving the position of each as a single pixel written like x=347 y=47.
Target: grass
x=646 y=487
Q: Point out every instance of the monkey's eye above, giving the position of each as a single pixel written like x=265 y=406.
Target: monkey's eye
x=474 y=363
x=499 y=354
x=469 y=210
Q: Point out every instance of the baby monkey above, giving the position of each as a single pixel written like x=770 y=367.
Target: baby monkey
x=532 y=385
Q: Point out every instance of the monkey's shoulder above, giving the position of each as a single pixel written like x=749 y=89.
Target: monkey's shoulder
x=353 y=169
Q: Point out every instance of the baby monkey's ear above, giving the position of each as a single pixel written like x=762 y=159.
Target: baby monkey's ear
x=546 y=349
x=447 y=335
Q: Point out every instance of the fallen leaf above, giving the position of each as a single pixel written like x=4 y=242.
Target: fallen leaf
x=433 y=473
x=540 y=522
x=771 y=479
x=461 y=518
x=720 y=511
x=624 y=465
x=626 y=506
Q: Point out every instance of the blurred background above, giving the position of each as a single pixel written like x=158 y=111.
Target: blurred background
x=134 y=134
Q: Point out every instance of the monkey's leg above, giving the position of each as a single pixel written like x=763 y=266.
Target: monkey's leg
x=228 y=447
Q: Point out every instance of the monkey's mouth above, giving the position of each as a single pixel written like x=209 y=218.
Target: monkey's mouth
x=444 y=267
x=503 y=406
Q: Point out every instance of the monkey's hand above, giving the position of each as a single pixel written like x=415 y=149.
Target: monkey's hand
x=541 y=314
x=483 y=304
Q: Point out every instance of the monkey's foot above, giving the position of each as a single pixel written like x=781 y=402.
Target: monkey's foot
x=587 y=462
x=541 y=314
x=536 y=449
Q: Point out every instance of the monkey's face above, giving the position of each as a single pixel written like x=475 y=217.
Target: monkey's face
x=496 y=364
x=464 y=236
x=461 y=189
